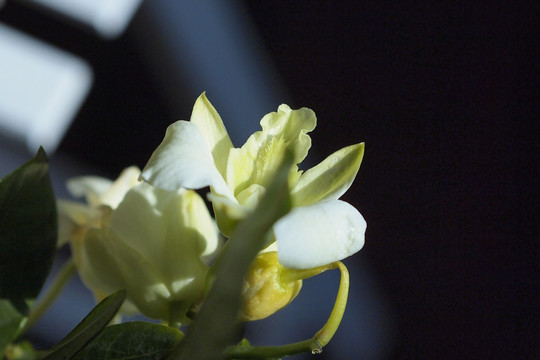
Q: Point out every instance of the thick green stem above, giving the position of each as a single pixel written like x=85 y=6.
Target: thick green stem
x=59 y=282
x=315 y=344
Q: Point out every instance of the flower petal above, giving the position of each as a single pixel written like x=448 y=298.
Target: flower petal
x=162 y=223
x=138 y=219
x=260 y=155
x=96 y=264
x=72 y=217
x=168 y=231
x=191 y=233
x=109 y=264
x=184 y=160
x=89 y=187
x=209 y=122
x=228 y=213
x=329 y=179
x=100 y=191
x=319 y=234
x=190 y=224
x=293 y=126
x=115 y=194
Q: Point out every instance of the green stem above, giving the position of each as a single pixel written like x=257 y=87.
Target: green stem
x=265 y=352
x=291 y=275
x=59 y=282
x=329 y=329
x=316 y=343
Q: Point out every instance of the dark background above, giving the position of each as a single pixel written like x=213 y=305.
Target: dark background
x=442 y=95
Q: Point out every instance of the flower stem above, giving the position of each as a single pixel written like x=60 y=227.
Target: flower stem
x=316 y=343
x=59 y=282
x=291 y=275
x=265 y=352
x=329 y=329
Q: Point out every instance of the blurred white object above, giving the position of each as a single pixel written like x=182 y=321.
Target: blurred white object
x=109 y=18
x=41 y=89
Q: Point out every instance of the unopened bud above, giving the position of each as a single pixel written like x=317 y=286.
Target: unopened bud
x=265 y=290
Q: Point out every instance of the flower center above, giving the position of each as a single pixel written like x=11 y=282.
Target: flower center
x=250 y=196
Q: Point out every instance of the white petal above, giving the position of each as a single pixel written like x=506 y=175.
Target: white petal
x=72 y=216
x=89 y=187
x=184 y=160
x=209 y=122
x=101 y=191
x=319 y=234
x=115 y=194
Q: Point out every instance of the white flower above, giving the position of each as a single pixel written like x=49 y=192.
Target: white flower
x=320 y=230
x=152 y=242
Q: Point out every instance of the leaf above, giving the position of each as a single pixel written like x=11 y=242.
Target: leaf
x=216 y=325
x=28 y=229
x=88 y=328
x=134 y=341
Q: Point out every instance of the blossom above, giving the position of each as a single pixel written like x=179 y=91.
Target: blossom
x=198 y=153
x=154 y=243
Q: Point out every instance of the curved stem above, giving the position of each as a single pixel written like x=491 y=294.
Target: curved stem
x=59 y=282
x=329 y=329
x=316 y=343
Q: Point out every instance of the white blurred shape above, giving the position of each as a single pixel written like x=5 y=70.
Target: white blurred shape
x=41 y=89
x=109 y=18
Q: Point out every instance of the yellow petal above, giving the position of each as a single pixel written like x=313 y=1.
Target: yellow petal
x=259 y=157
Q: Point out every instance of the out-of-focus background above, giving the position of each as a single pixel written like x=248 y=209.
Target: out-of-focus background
x=442 y=94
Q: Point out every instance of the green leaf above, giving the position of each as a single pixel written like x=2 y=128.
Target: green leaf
x=217 y=325
x=28 y=229
x=27 y=241
x=133 y=341
x=88 y=328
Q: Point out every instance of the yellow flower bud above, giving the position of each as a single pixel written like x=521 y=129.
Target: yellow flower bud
x=265 y=290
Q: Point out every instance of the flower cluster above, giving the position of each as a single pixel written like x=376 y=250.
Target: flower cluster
x=156 y=237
